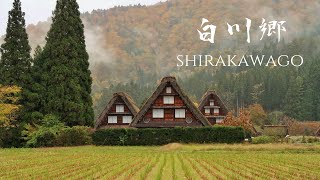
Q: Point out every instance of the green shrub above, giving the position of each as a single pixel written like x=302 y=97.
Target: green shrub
x=160 y=136
x=74 y=136
x=263 y=140
x=52 y=132
x=11 y=137
x=108 y=137
x=43 y=139
x=43 y=135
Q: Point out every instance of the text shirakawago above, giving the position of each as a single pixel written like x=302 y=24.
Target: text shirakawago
x=242 y=60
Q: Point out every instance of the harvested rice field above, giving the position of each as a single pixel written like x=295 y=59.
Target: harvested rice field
x=173 y=161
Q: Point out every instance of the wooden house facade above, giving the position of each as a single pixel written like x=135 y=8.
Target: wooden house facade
x=212 y=107
x=118 y=113
x=168 y=106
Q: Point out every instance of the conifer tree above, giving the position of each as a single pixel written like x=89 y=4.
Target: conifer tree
x=15 y=64
x=293 y=105
x=311 y=99
x=34 y=104
x=15 y=61
x=65 y=68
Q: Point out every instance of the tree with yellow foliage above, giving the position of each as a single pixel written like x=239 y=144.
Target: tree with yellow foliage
x=9 y=107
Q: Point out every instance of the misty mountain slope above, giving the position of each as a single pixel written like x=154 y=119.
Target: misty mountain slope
x=124 y=41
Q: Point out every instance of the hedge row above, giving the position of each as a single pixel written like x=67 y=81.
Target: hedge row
x=160 y=136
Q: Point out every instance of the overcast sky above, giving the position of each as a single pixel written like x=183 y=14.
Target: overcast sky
x=41 y=10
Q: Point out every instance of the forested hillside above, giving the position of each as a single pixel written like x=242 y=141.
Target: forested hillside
x=132 y=47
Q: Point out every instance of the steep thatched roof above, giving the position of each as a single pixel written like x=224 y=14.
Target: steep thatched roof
x=205 y=98
x=189 y=104
x=126 y=99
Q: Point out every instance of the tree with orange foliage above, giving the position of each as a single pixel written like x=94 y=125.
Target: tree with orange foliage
x=243 y=120
x=257 y=115
x=230 y=120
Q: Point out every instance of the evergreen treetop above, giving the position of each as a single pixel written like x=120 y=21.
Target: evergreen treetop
x=15 y=61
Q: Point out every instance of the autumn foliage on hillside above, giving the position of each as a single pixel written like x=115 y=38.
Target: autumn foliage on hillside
x=132 y=38
x=132 y=47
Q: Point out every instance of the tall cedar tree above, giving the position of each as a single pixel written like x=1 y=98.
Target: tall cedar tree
x=311 y=99
x=65 y=68
x=15 y=61
x=293 y=105
x=35 y=100
x=15 y=64
x=15 y=68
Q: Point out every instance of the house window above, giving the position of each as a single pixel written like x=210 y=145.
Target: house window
x=120 y=108
x=219 y=120
x=216 y=111
x=207 y=111
x=168 y=99
x=211 y=103
x=180 y=113
x=158 y=113
x=168 y=90
x=112 y=119
x=127 y=119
